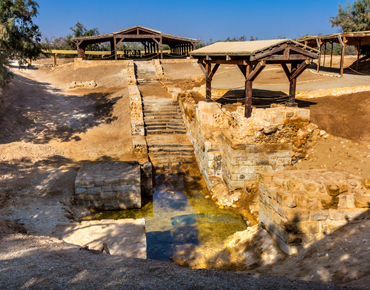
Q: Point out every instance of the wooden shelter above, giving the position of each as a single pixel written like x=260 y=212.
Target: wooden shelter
x=152 y=41
x=251 y=57
x=348 y=38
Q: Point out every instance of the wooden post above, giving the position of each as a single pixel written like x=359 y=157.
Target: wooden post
x=358 y=54
x=331 y=53
x=318 y=41
x=55 y=60
x=115 y=48
x=248 y=94
x=324 y=54
x=81 y=50
x=161 y=45
x=208 y=83
x=292 y=84
x=112 y=48
x=343 y=44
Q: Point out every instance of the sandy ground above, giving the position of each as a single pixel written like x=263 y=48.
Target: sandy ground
x=47 y=130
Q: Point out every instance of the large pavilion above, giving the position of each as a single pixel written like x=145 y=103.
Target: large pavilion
x=251 y=57
x=152 y=40
x=345 y=38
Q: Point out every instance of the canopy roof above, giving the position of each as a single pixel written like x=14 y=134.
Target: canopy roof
x=254 y=50
x=352 y=38
x=137 y=34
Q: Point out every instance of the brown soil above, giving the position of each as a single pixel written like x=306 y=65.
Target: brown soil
x=50 y=60
x=346 y=116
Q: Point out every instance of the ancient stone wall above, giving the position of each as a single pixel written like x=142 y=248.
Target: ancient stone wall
x=109 y=185
x=233 y=150
x=136 y=104
x=300 y=207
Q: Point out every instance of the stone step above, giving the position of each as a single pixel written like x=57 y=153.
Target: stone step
x=160 y=102
x=165 y=127
x=165 y=122
x=174 y=145
x=173 y=154
x=163 y=132
x=161 y=111
x=161 y=118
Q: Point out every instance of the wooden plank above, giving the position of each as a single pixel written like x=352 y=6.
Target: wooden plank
x=282 y=57
x=135 y=36
x=303 y=52
x=268 y=52
x=256 y=71
x=300 y=69
x=287 y=53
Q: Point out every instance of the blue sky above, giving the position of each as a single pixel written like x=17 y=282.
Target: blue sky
x=205 y=20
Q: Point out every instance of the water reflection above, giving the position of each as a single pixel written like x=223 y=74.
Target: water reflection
x=179 y=213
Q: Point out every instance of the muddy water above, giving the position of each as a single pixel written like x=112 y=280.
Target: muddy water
x=180 y=214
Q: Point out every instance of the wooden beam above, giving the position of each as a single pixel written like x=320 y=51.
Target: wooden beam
x=214 y=71
x=331 y=53
x=300 y=69
x=208 y=82
x=343 y=44
x=248 y=94
x=303 y=51
x=292 y=84
x=358 y=53
x=55 y=60
x=243 y=69
x=286 y=53
x=256 y=71
x=282 y=57
x=319 y=59
x=115 y=48
x=286 y=70
x=268 y=52
x=161 y=47
x=142 y=36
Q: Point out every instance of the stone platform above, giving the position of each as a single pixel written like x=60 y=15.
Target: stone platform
x=109 y=185
x=125 y=238
x=299 y=207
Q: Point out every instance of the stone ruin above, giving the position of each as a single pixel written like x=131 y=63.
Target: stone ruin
x=113 y=185
x=299 y=207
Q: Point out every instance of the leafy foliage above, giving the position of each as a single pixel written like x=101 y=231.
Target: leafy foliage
x=355 y=17
x=19 y=36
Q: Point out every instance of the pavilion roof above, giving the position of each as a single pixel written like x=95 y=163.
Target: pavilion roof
x=133 y=30
x=252 y=49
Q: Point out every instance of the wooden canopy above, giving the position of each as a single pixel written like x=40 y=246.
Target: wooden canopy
x=152 y=40
x=251 y=57
x=347 y=38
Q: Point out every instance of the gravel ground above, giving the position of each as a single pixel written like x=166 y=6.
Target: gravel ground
x=31 y=262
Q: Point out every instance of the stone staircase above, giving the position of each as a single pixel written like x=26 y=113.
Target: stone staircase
x=170 y=151
x=145 y=72
x=162 y=116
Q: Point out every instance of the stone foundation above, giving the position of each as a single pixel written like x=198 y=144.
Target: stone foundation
x=233 y=150
x=300 y=207
x=110 y=185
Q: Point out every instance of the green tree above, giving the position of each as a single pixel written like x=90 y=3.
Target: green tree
x=353 y=17
x=19 y=37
